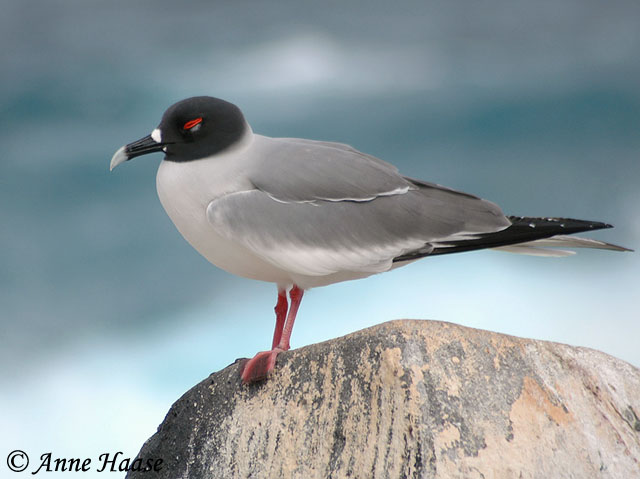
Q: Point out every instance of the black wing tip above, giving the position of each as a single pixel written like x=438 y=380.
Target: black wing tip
x=570 y=224
x=522 y=230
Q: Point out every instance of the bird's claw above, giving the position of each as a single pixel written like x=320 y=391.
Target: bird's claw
x=258 y=368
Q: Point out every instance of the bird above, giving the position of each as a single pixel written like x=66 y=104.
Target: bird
x=305 y=213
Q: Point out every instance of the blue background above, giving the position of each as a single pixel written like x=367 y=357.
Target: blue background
x=108 y=315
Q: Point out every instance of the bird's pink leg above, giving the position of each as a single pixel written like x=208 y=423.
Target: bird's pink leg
x=281 y=314
x=296 y=298
x=262 y=364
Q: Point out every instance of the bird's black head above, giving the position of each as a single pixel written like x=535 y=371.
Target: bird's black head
x=199 y=127
x=191 y=129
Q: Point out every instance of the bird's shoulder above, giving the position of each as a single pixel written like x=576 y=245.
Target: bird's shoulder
x=295 y=169
x=341 y=151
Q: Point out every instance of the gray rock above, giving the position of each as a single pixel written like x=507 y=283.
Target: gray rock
x=411 y=399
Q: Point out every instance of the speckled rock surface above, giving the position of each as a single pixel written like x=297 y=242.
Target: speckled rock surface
x=411 y=399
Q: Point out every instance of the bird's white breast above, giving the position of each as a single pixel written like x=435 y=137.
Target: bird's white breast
x=185 y=190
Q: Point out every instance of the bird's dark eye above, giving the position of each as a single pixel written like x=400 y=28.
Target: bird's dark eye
x=191 y=123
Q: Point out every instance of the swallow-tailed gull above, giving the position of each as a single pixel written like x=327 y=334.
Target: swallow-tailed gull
x=303 y=213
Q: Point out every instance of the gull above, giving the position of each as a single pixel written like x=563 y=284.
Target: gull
x=303 y=213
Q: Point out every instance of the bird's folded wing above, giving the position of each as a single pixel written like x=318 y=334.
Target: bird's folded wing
x=319 y=237
x=291 y=169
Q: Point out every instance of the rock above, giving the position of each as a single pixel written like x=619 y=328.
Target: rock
x=411 y=399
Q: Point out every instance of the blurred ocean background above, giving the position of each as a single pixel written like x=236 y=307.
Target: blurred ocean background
x=107 y=315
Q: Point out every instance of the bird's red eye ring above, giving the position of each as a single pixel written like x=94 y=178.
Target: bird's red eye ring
x=190 y=124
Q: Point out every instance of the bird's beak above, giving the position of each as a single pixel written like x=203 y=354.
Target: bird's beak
x=141 y=147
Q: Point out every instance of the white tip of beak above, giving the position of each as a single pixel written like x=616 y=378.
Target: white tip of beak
x=119 y=157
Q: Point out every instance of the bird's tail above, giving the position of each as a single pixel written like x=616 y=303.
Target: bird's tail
x=546 y=247
x=533 y=236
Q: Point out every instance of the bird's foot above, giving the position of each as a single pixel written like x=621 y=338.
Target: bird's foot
x=259 y=367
